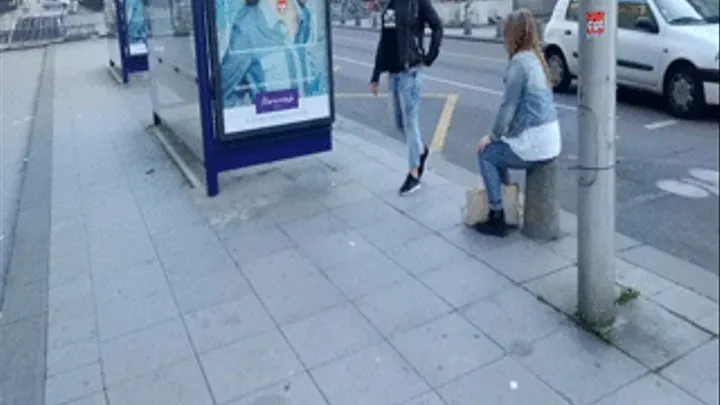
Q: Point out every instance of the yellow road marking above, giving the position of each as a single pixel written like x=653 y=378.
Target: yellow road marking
x=384 y=95
x=443 y=125
x=441 y=129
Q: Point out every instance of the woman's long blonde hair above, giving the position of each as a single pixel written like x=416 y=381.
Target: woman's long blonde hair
x=521 y=34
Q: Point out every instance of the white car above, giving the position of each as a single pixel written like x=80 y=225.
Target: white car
x=669 y=47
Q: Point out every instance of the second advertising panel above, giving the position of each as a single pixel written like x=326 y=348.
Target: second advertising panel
x=137 y=26
x=273 y=62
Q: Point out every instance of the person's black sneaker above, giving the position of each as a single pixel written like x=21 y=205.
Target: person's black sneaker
x=410 y=185
x=423 y=160
x=494 y=226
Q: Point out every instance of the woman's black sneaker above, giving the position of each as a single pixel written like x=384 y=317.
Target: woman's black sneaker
x=423 y=160
x=494 y=226
x=410 y=185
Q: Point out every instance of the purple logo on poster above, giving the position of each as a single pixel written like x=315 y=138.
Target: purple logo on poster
x=278 y=100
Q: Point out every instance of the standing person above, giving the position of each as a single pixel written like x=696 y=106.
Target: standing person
x=400 y=53
x=526 y=132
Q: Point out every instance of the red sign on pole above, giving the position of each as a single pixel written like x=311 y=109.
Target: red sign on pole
x=594 y=23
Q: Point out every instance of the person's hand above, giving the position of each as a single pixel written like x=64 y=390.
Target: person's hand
x=484 y=142
x=374 y=88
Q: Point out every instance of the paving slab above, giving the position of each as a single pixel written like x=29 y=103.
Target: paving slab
x=695 y=308
x=437 y=252
x=357 y=279
x=291 y=287
x=74 y=385
x=463 y=282
x=72 y=356
x=502 y=382
x=377 y=375
x=514 y=319
x=698 y=373
x=267 y=359
x=650 y=389
x=581 y=367
x=144 y=351
x=227 y=322
x=295 y=390
x=430 y=398
x=402 y=307
x=330 y=335
x=445 y=349
x=652 y=335
x=181 y=383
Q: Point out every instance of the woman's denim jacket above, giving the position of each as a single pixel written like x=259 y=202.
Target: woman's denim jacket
x=528 y=100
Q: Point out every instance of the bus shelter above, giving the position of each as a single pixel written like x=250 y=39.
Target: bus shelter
x=127 y=33
x=242 y=82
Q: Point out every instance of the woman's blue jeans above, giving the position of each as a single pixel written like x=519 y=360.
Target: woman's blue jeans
x=405 y=90
x=495 y=161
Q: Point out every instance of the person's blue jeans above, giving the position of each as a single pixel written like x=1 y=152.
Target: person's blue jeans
x=495 y=161
x=405 y=88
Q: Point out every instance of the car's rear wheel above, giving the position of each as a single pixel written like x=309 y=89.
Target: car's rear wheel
x=559 y=73
x=683 y=91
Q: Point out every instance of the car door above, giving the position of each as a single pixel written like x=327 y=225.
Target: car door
x=639 y=47
x=570 y=35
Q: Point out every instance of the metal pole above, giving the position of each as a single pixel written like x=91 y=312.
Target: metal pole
x=596 y=188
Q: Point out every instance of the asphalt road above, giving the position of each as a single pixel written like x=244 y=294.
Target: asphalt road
x=667 y=173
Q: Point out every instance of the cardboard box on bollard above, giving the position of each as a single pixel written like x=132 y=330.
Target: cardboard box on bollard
x=477 y=207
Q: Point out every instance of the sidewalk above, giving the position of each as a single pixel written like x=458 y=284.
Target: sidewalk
x=307 y=282
x=479 y=34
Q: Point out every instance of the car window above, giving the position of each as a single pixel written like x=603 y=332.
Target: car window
x=689 y=11
x=630 y=10
x=573 y=11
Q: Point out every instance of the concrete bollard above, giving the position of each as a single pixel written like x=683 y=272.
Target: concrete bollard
x=541 y=219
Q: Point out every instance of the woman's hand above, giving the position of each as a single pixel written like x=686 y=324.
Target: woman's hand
x=374 y=88
x=484 y=142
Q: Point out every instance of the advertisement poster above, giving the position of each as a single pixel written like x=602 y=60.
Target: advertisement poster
x=273 y=62
x=136 y=27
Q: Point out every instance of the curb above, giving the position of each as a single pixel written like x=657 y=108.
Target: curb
x=45 y=44
x=447 y=36
x=23 y=332
x=11 y=234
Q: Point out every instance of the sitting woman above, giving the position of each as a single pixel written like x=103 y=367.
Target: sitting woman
x=526 y=133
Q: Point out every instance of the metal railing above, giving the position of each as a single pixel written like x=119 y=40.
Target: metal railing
x=33 y=30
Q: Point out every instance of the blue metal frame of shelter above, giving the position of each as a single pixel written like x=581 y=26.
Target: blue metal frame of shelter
x=128 y=63
x=274 y=144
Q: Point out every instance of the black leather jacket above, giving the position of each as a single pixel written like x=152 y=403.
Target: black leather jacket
x=412 y=16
